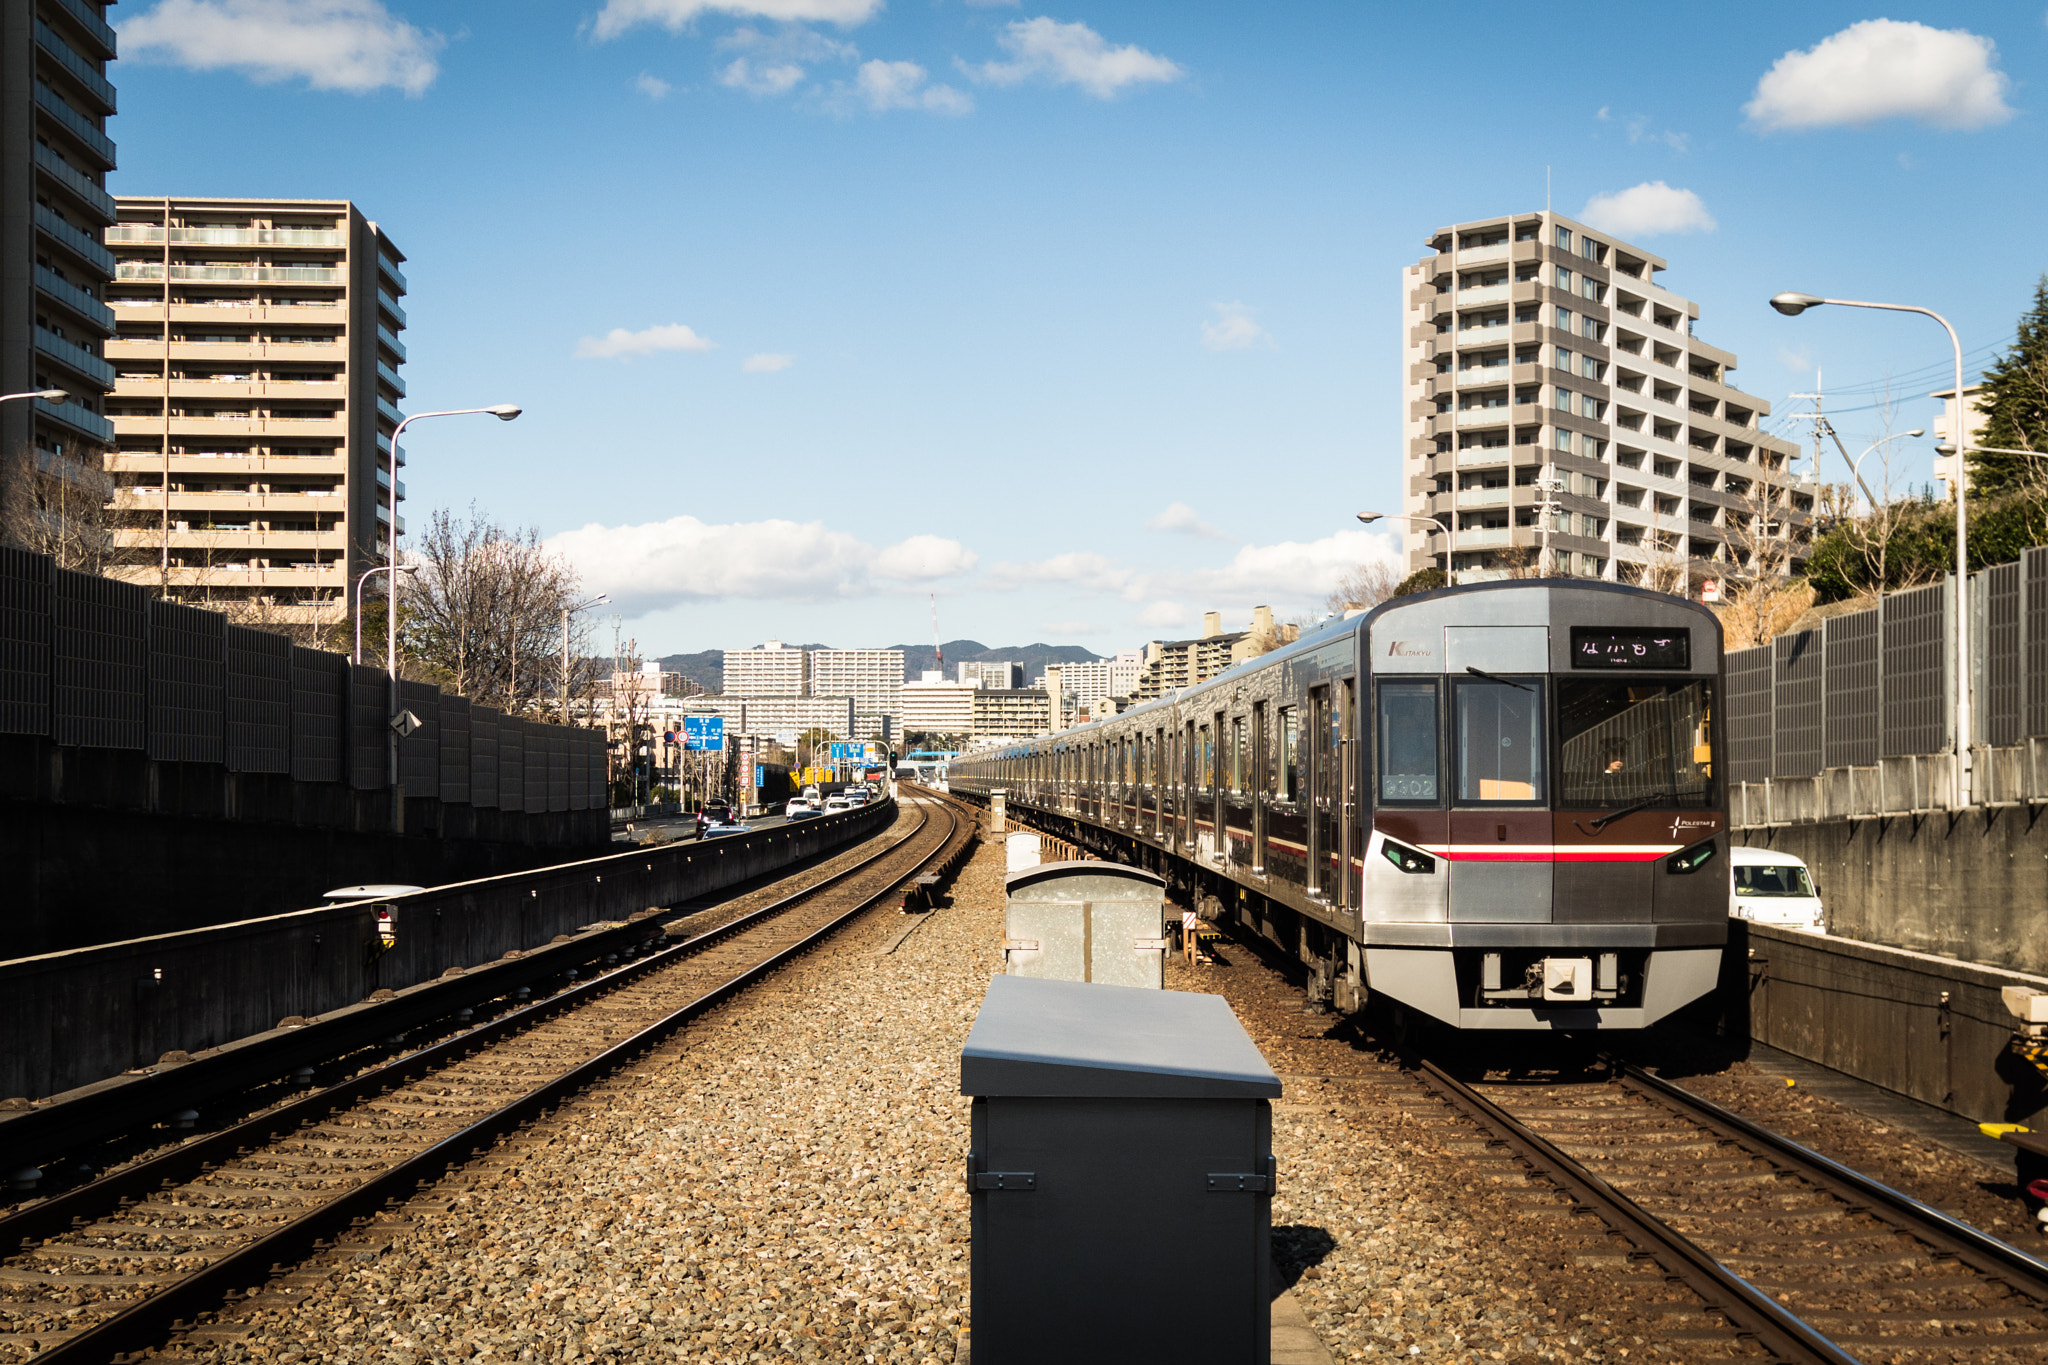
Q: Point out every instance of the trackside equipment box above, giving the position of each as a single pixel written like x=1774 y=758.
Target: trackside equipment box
x=1121 y=1178
x=1085 y=921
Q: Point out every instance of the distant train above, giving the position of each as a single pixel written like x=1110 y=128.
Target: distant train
x=1500 y=805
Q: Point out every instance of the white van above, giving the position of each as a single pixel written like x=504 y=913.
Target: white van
x=1770 y=887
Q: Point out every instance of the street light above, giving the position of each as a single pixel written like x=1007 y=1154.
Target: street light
x=1450 y=565
x=47 y=395
x=566 y=612
x=1856 y=465
x=363 y=578
x=1792 y=304
x=504 y=412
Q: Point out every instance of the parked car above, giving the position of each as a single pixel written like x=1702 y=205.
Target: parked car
x=1770 y=887
x=799 y=809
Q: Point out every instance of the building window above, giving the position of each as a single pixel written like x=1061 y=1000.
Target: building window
x=1561 y=358
x=1591 y=368
x=1589 y=406
x=1564 y=278
x=1564 y=441
x=1590 y=328
x=1526 y=355
x=1561 y=399
x=1564 y=319
x=1564 y=239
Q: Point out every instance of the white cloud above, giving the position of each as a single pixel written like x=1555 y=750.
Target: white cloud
x=1233 y=330
x=654 y=565
x=1798 y=361
x=776 y=79
x=1072 y=54
x=1081 y=569
x=767 y=363
x=620 y=344
x=1056 y=628
x=618 y=16
x=1166 y=615
x=353 y=45
x=1646 y=210
x=1881 y=69
x=881 y=86
x=1181 y=519
x=654 y=87
x=993 y=4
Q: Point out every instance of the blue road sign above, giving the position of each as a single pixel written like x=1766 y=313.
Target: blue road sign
x=760 y=775
x=703 y=732
x=847 y=751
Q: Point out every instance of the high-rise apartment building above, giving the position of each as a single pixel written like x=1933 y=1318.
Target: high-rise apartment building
x=55 y=100
x=991 y=674
x=772 y=670
x=256 y=387
x=872 y=677
x=1558 y=400
x=933 y=706
x=1124 y=671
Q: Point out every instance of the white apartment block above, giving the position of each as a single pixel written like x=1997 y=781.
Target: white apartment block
x=872 y=677
x=255 y=362
x=773 y=670
x=1124 y=671
x=1556 y=398
x=990 y=674
x=931 y=705
x=1081 y=683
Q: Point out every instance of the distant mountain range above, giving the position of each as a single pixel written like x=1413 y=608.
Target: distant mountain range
x=706 y=667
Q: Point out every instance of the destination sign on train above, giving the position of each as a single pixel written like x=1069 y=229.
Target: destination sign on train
x=1630 y=647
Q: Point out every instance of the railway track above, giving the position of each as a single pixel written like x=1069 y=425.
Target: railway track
x=114 y=1266
x=1794 y=1254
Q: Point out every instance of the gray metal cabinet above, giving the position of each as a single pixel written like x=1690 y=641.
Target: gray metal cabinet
x=1121 y=1178
x=1086 y=921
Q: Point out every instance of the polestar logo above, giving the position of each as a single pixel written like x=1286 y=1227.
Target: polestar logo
x=1402 y=649
x=1681 y=822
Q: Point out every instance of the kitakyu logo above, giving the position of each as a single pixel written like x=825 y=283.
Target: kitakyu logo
x=1407 y=649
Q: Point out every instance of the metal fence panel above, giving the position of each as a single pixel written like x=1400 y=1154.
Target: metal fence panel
x=455 y=746
x=579 y=770
x=369 y=764
x=558 y=766
x=483 y=757
x=99 y=663
x=188 y=683
x=1852 y=690
x=320 y=689
x=1798 y=669
x=2002 y=711
x=1916 y=706
x=511 y=763
x=2034 y=615
x=1749 y=714
x=24 y=642
x=600 y=776
x=259 y=710
x=419 y=753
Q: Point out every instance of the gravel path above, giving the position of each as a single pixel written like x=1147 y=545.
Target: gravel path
x=780 y=1181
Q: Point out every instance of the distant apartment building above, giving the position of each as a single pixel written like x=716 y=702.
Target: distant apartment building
x=256 y=388
x=872 y=677
x=1945 y=433
x=1123 y=672
x=932 y=705
x=55 y=100
x=990 y=674
x=1556 y=398
x=773 y=717
x=1082 y=681
x=772 y=670
x=1010 y=713
x=1173 y=664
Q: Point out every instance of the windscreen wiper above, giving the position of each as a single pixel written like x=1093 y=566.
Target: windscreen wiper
x=1604 y=821
x=1490 y=677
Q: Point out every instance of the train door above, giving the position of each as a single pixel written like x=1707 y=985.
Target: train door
x=1259 y=782
x=1184 y=812
x=1219 y=783
x=1350 y=862
x=1320 y=756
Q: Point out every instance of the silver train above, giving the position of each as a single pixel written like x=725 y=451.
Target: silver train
x=1500 y=805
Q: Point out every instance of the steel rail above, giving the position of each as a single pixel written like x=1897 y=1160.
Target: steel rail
x=1752 y=1312
x=149 y=1320
x=57 y=1214
x=1981 y=1251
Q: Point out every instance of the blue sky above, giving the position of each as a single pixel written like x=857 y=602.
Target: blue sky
x=1084 y=318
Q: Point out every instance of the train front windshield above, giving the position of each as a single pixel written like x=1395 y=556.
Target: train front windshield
x=1624 y=742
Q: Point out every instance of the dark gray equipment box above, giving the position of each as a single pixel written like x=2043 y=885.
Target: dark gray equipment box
x=1121 y=1178
x=1086 y=921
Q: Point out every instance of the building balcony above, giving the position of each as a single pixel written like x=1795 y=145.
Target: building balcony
x=83 y=130
x=265 y=542
x=1466 y=338
x=75 y=358
x=1484 y=376
x=234 y=312
x=86 y=72
x=232 y=507
x=127 y=349
x=230 y=274
x=1479 y=294
x=1483 y=417
x=189 y=579
x=290 y=428
x=152 y=463
x=390 y=340
x=390 y=376
x=73 y=240
x=390 y=305
x=147 y=234
x=1481 y=255
x=1475 y=456
x=329 y=390
x=93 y=24
x=92 y=196
x=391 y=272
x=78 y=301
x=78 y=418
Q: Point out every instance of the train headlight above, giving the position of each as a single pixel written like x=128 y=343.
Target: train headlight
x=1689 y=860
x=1412 y=860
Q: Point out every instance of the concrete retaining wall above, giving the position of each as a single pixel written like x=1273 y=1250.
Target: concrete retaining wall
x=70 y=1018
x=1973 y=886
x=1928 y=1027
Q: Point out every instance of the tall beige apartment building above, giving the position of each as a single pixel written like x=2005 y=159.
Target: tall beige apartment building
x=55 y=100
x=256 y=368
x=1557 y=399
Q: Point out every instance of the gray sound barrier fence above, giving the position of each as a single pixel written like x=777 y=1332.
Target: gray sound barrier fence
x=1849 y=647
x=1797 y=715
x=91 y=662
x=2034 y=639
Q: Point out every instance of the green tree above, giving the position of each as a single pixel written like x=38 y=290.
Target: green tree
x=2015 y=405
x=1422 y=580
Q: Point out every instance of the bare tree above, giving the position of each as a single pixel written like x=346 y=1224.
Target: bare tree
x=1367 y=585
x=59 y=505
x=484 y=613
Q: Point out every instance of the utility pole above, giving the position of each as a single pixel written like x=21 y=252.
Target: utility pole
x=935 y=634
x=1548 y=486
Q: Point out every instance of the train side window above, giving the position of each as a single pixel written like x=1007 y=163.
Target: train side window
x=1499 y=731
x=1205 y=758
x=1407 y=744
x=1237 y=754
x=1288 y=786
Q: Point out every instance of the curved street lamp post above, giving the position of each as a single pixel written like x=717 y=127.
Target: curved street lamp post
x=1450 y=537
x=1792 y=304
